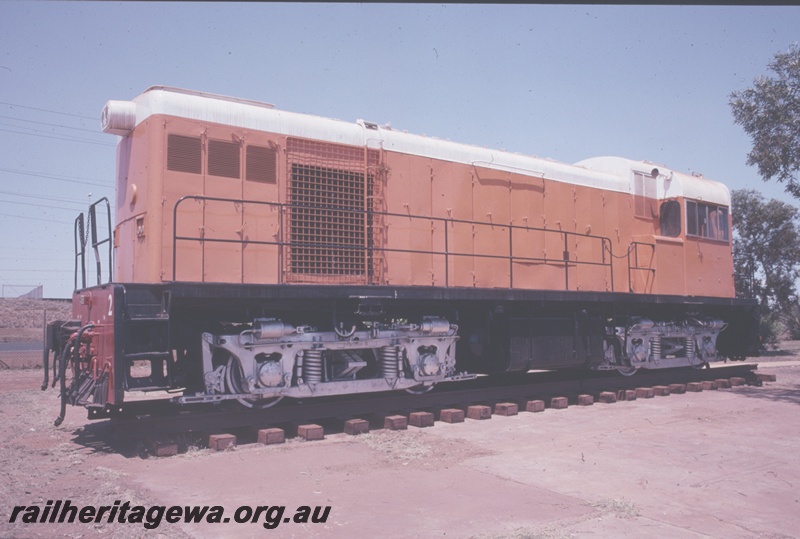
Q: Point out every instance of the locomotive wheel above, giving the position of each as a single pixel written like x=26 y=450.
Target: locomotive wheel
x=233 y=382
x=627 y=371
x=420 y=389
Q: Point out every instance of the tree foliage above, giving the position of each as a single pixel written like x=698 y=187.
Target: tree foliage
x=770 y=113
x=766 y=250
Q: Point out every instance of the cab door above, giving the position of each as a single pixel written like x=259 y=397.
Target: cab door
x=670 y=250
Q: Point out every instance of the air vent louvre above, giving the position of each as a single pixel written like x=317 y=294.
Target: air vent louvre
x=184 y=154
x=223 y=159
x=261 y=164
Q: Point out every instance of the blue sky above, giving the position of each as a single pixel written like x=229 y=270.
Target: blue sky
x=558 y=81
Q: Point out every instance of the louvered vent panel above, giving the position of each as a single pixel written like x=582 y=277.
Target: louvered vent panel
x=261 y=164
x=223 y=159
x=184 y=154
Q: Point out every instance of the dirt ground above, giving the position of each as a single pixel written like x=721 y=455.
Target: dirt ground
x=713 y=464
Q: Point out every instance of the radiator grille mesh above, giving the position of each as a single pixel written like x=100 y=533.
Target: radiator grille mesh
x=332 y=229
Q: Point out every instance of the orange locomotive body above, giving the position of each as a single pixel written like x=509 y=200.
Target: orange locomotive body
x=260 y=254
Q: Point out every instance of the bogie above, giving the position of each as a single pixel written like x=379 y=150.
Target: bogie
x=643 y=343
x=272 y=359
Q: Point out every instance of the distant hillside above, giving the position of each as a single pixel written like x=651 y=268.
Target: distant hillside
x=22 y=319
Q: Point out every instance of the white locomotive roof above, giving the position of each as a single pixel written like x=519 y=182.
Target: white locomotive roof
x=670 y=184
x=609 y=173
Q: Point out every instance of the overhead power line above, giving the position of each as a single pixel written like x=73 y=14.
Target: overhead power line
x=36 y=219
x=14 y=270
x=95 y=131
x=43 y=197
x=71 y=179
x=16 y=203
x=26 y=259
x=59 y=138
x=51 y=111
x=26 y=248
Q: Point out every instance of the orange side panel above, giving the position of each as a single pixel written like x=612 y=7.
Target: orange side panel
x=398 y=227
x=188 y=252
x=262 y=222
x=222 y=226
x=670 y=274
x=589 y=251
x=492 y=208
x=526 y=247
x=138 y=232
x=527 y=209
x=451 y=195
x=222 y=250
x=611 y=217
x=559 y=204
x=643 y=261
x=125 y=256
x=460 y=235
x=189 y=221
x=421 y=232
x=537 y=250
x=709 y=268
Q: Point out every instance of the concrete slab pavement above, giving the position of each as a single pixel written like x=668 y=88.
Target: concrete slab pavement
x=713 y=464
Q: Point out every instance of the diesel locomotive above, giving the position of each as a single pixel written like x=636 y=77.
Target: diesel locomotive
x=257 y=254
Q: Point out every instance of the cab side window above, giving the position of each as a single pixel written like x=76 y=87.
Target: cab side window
x=707 y=221
x=670 y=218
x=644 y=195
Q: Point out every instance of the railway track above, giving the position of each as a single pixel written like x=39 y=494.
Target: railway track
x=152 y=419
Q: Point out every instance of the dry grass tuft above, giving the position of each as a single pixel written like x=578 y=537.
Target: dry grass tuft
x=528 y=533
x=397 y=446
x=618 y=508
